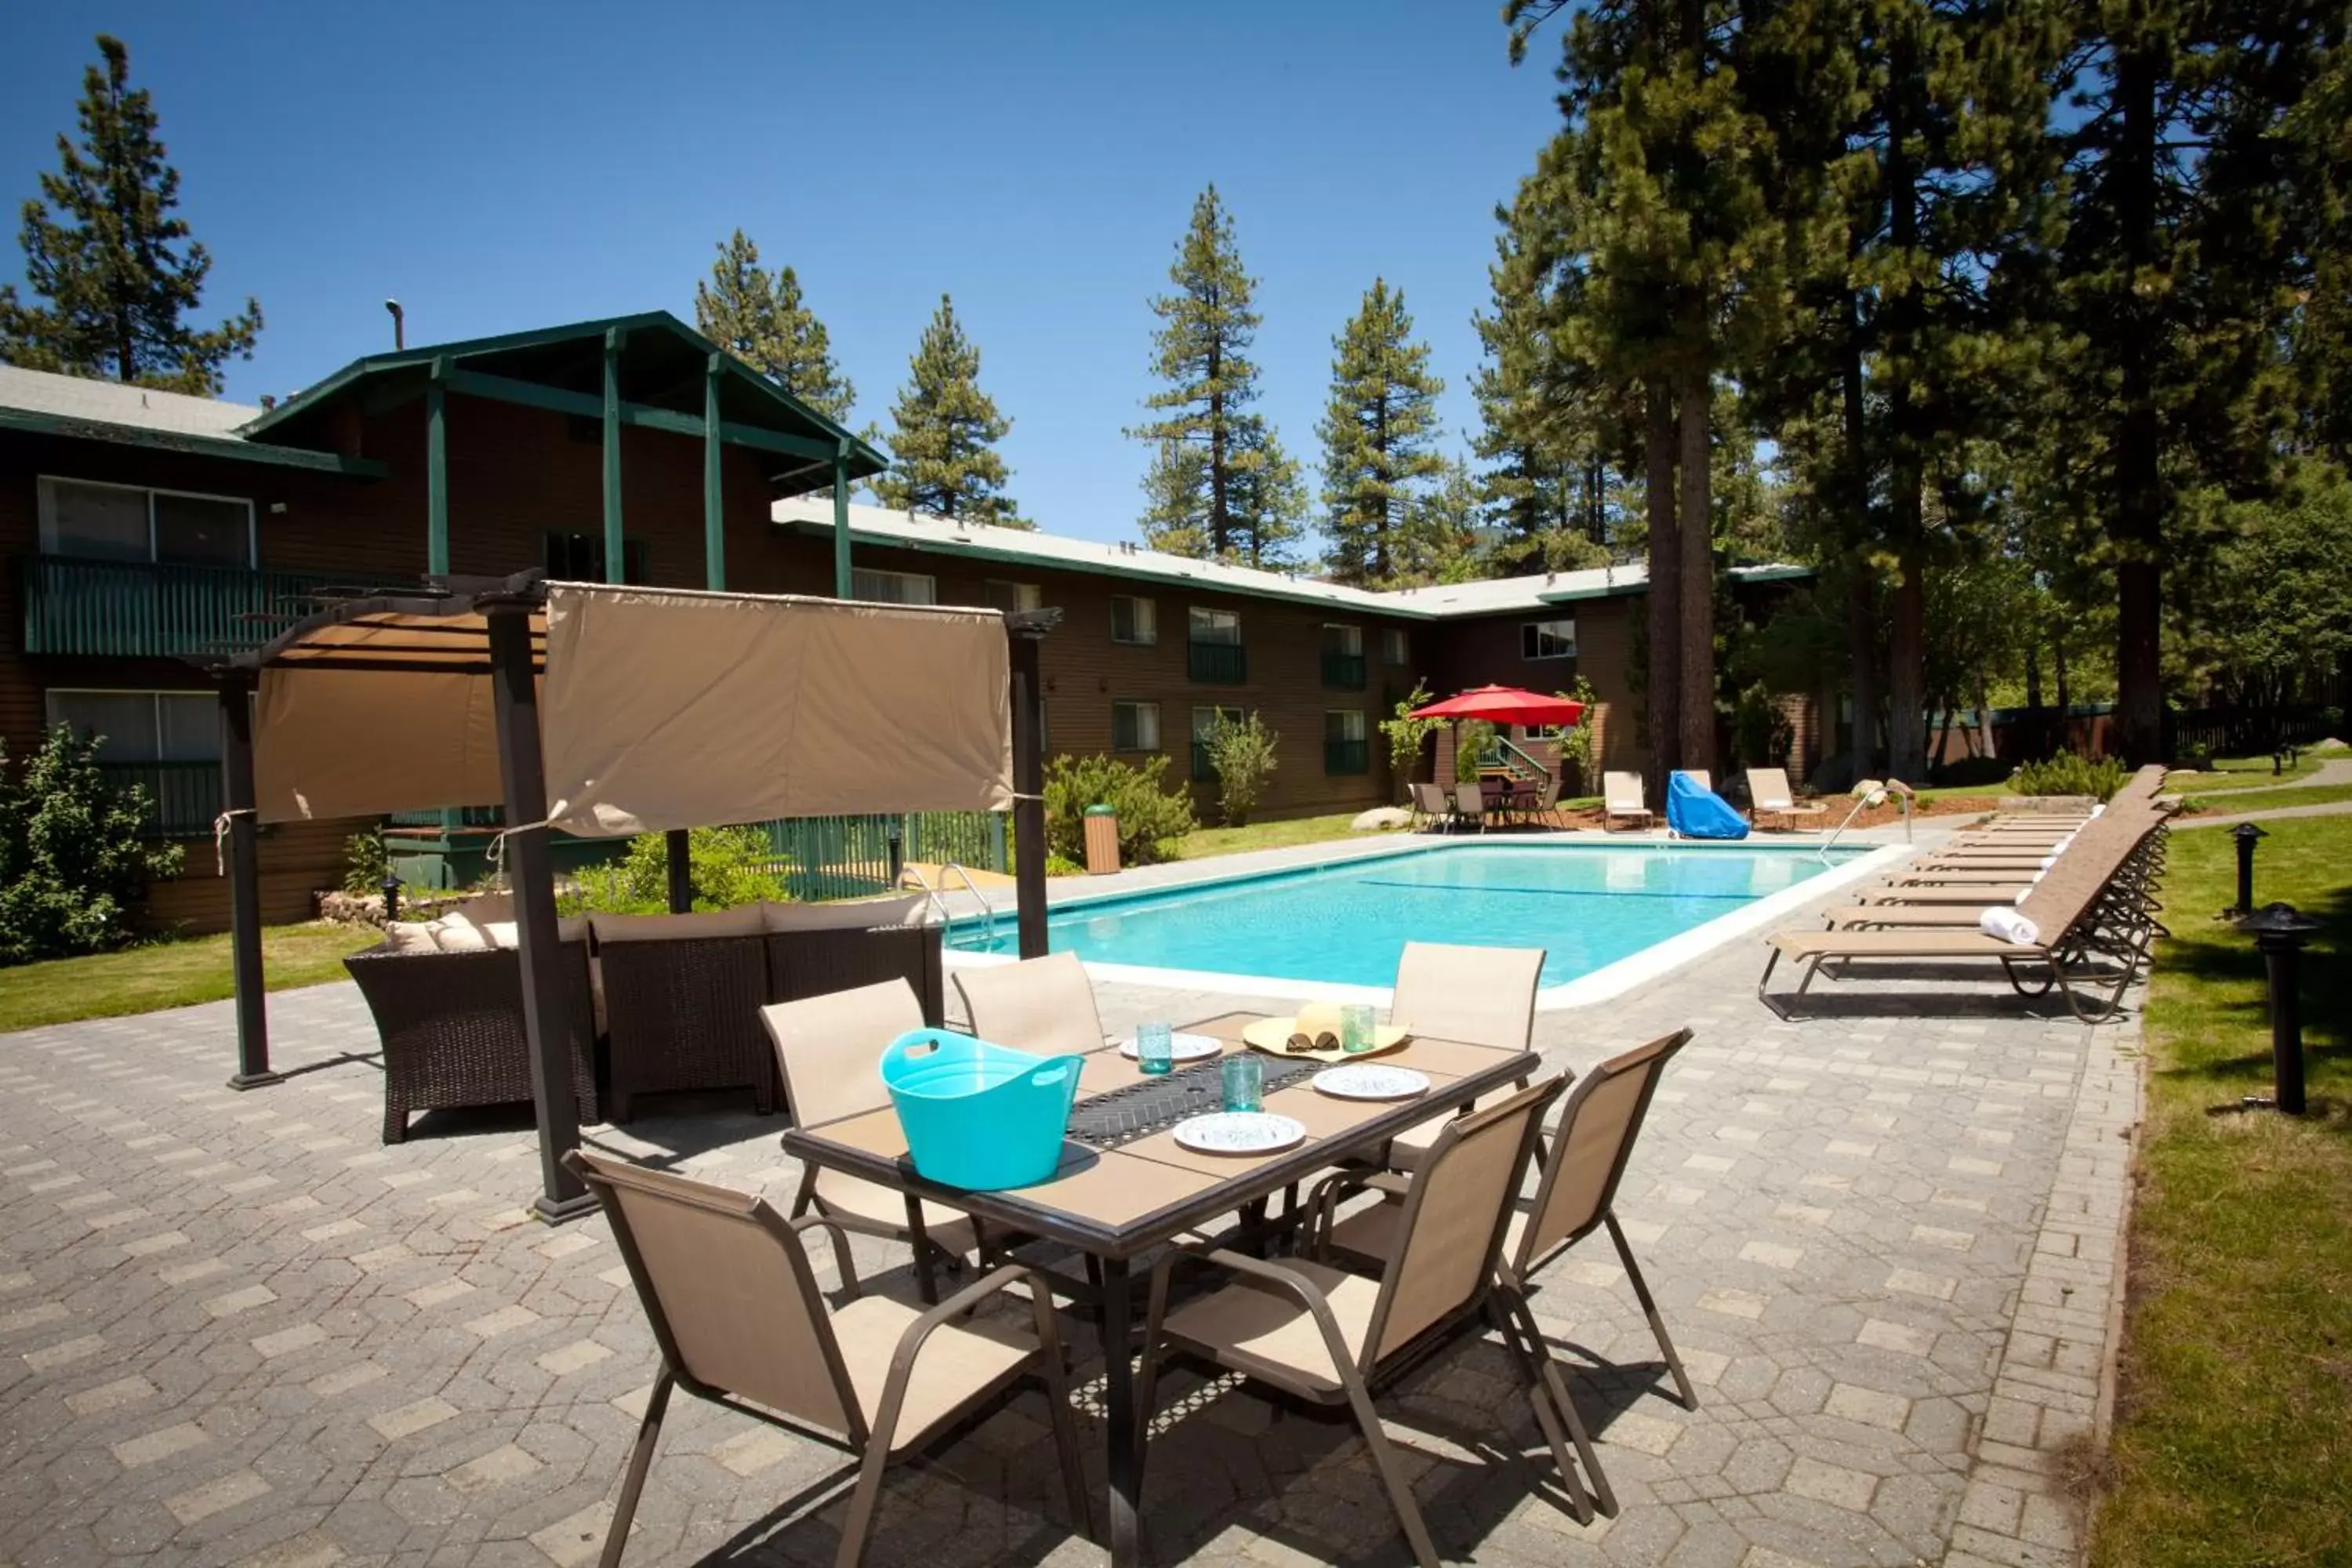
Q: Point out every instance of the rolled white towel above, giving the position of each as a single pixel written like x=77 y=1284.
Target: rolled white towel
x=2020 y=896
x=2048 y=861
x=2098 y=811
x=2009 y=926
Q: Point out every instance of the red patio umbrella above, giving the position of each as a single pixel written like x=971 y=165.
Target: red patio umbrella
x=1505 y=705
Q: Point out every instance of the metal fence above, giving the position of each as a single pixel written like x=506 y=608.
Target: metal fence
x=2246 y=731
x=848 y=856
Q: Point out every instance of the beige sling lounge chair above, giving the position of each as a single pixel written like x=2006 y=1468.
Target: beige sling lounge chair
x=1769 y=795
x=1621 y=797
x=1331 y=1337
x=1041 y=1005
x=829 y=1051
x=734 y=1306
x=1483 y=995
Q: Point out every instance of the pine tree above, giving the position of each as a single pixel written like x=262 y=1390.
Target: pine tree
x=763 y=319
x=1378 y=431
x=944 y=449
x=1219 y=485
x=1442 y=531
x=117 y=271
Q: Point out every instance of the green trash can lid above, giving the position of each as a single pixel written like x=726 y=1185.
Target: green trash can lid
x=1102 y=811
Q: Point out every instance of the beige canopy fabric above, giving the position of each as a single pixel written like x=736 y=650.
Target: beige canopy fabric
x=665 y=708
x=330 y=742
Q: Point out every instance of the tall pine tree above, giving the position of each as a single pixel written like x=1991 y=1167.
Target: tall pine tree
x=762 y=319
x=1219 y=485
x=943 y=456
x=1378 y=433
x=116 y=269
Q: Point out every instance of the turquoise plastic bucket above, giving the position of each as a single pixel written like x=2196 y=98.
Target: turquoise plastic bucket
x=977 y=1115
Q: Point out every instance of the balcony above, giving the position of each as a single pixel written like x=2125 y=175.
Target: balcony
x=1347 y=756
x=143 y=609
x=183 y=798
x=1218 y=663
x=1343 y=671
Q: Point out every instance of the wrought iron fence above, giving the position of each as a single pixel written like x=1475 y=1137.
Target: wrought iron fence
x=148 y=609
x=849 y=857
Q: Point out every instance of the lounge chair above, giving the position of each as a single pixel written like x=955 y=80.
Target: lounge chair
x=1043 y=1005
x=1330 y=1337
x=1622 y=797
x=1704 y=779
x=1769 y=795
x=1485 y=996
x=1576 y=1194
x=735 y=1308
x=829 y=1053
x=1470 y=804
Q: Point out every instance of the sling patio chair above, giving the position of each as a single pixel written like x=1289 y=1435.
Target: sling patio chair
x=1334 y=1338
x=829 y=1054
x=1470 y=804
x=1769 y=795
x=1480 y=996
x=1041 y=1005
x=1547 y=801
x=2071 y=913
x=1576 y=1194
x=1429 y=805
x=1621 y=798
x=734 y=1306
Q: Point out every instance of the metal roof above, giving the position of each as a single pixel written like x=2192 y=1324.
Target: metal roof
x=85 y=408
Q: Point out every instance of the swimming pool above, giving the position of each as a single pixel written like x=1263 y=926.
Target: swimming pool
x=1588 y=905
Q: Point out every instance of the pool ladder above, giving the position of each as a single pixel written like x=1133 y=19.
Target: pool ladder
x=1873 y=792
x=934 y=901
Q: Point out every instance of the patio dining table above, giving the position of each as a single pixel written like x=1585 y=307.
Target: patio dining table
x=1125 y=1185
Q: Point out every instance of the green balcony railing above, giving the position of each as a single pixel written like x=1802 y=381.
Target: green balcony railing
x=145 y=609
x=183 y=798
x=1343 y=671
x=1218 y=663
x=1204 y=766
x=1347 y=756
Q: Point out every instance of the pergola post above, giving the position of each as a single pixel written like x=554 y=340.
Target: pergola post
x=1026 y=630
x=841 y=522
x=437 y=469
x=546 y=1032
x=253 y=1068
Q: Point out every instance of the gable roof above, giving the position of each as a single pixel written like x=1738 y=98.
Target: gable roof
x=81 y=408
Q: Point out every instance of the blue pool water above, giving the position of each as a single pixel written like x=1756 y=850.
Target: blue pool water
x=1587 y=906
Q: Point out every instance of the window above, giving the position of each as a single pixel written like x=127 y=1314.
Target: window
x=1343 y=657
x=1347 y=744
x=1547 y=639
x=580 y=558
x=1134 y=726
x=1205 y=719
x=1396 y=647
x=1012 y=597
x=1221 y=628
x=1216 y=656
x=1133 y=620
x=166 y=742
x=118 y=523
x=893 y=587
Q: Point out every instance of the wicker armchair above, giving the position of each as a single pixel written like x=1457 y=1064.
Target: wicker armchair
x=451 y=1024
x=684 y=1013
x=817 y=963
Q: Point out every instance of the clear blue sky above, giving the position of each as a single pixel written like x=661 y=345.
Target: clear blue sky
x=502 y=166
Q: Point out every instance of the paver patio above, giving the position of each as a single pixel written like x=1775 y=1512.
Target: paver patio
x=233 y=1328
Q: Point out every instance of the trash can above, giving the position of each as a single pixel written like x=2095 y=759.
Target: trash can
x=1102 y=840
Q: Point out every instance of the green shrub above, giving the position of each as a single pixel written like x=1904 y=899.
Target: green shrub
x=366 y=862
x=1576 y=744
x=1150 y=814
x=1055 y=866
x=1470 y=744
x=73 y=858
x=1407 y=735
x=2067 y=773
x=730 y=867
x=1243 y=752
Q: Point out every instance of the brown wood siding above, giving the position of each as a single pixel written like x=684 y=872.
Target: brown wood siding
x=1488 y=650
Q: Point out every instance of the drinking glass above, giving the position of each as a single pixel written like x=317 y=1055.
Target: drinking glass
x=1245 y=1077
x=1355 y=1028
x=1155 y=1049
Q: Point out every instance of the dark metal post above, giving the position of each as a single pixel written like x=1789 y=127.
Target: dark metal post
x=681 y=870
x=898 y=849
x=546 y=1026
x=244 y=882
x=2248 y=835
x=391 y=898
x=2279 y=931
x=1027 y=631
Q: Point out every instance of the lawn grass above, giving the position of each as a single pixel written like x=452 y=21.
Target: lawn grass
x=2239 y=772
x=170 y=974
x=1202 y=842
x=2237 y=800
x=2235 y=1431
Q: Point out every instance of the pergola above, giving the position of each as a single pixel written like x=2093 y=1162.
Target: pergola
x=603 y=710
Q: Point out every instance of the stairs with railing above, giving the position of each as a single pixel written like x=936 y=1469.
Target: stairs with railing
x=1504 y=758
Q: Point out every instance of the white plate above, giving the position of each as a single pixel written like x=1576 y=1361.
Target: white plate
x=1182 y=1048
x=1370 y=1080
x=1239 y=1133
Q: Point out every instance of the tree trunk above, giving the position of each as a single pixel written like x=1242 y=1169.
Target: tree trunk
x=2058 y=668
x=1862 y=644
x=2137 y=526
x=1906 y=675
x=1984 y=714
x=1906 y=696
x=1697 y=523
x=1665 y=597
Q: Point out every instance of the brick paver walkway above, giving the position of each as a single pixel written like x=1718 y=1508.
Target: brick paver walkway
x=233 y=1328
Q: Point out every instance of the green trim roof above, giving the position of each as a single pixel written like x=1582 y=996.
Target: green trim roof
x=234 y=448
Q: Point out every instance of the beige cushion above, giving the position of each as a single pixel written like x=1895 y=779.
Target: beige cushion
x=743 y=922
x=845 y=1196
x=852 y=914
x=1267 y=1332
x=507 y=934
x=408 y=936
x=958 y=1364
x=458 y=935
x=482 y=909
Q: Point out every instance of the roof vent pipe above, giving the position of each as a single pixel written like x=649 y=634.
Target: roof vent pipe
x=399 y=326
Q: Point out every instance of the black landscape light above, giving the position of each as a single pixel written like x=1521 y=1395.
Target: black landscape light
x=2248 y=835
x=2279 y=931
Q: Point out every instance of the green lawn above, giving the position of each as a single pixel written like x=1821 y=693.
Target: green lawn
x=2236 y=800
x=2235 y=1432
x=1202 y=842
x=2239 y=772
x=169 y=974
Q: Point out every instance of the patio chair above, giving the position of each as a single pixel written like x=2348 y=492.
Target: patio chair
x=1546 y=801
x=734 y=1306
x=1483 y=995
x=1043 y=1005
x=1429 y=804
x=1470 y=804
x=1769 y=795
x=1622 y=797
x=1576 y=1194
x=1333 y=1338
x=828 y=1053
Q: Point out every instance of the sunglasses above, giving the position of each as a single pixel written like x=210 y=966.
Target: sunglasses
x=1302 y=1044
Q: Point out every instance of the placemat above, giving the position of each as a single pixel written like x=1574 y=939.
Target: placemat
x=1140 y=1109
